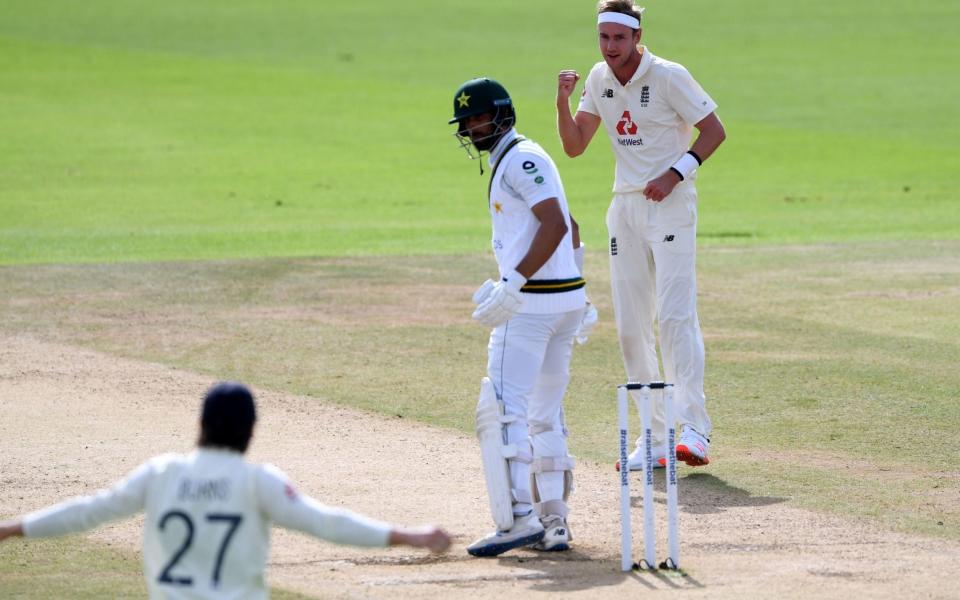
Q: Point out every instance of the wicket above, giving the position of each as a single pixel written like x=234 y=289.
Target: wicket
x=645 y=405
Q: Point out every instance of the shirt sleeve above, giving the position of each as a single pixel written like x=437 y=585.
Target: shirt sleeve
x=687 y=97
x=531 y=177
x=292 y=510
x=125 y=498
x=588 y=103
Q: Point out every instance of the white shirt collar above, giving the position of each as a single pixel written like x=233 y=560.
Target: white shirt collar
x=642 y=68
x=502 y=143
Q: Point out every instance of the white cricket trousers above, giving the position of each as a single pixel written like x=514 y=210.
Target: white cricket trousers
x=529 y=365
x=653 y=275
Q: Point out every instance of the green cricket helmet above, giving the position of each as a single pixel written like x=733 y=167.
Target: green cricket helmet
x=476 y=97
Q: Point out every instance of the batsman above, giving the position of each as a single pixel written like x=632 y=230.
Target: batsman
x=535 y=309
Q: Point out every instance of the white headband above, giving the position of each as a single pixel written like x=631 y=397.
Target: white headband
x=620 y=18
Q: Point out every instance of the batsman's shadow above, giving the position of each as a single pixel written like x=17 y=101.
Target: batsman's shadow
x=565 y=571
x=575 y=571
x=704 y=493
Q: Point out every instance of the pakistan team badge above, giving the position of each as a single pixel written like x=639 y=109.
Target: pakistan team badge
x=538 y=179
x=463 y=99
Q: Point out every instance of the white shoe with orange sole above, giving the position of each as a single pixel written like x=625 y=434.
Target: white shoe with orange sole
x=693 y=448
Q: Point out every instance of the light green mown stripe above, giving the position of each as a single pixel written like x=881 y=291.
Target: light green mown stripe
x=217 y=130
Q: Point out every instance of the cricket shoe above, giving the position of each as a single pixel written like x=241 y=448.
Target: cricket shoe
x=693 y=448
x=635 y=460
x=556 y=537
x=526 y=530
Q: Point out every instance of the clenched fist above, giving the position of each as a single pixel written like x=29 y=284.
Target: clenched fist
x=566 y=83
x=659 y=188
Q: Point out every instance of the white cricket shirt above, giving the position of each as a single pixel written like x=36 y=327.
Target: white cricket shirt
x=207 y=519
x=525 y=177
x=649 y=120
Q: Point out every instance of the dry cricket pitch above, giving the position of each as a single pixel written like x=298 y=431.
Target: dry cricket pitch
x=75 y=420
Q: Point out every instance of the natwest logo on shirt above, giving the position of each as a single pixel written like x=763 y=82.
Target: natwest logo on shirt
x=626 y=126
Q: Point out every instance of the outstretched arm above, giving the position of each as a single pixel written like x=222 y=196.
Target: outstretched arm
x=289 y=509
x=80 y=514
x=12 y=528
x=428 y=536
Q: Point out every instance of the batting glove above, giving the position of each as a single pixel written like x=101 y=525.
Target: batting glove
x=587 y=323
x=503 y=301
x=483 y=292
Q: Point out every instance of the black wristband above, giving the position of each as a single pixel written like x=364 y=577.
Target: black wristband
x=694 y=154
x=679 y=174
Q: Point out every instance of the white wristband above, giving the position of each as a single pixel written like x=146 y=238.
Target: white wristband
x=686 y=165
x=514 y=279
x=578 y=257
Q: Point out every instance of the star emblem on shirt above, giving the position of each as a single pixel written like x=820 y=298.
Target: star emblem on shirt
x=498 y=207
x=463 y=99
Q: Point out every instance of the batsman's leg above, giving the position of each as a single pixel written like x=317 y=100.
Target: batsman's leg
x=515 y=355
x=552 y=466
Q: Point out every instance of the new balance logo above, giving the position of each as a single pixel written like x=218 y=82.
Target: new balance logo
x=668 y=238
x=613 y=246
x=607 y=93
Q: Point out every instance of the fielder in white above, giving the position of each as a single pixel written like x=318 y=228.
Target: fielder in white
x=208 y=514
x=649 y=107
x=535 y=309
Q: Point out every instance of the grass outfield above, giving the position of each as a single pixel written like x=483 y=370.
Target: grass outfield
x=260 y=133
x=71 y=567
x=178 y=130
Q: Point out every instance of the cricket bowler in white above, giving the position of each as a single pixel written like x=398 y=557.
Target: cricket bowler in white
x=207 y=515
x=649 y=107
x=535 y=309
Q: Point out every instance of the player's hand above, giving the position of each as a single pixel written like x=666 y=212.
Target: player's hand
x=566 y=83
x=10 y=529
x=429 y=536
x=483 y=292
x=503 y=301
x=436 y=539
x=659 y=188
x=587 y=323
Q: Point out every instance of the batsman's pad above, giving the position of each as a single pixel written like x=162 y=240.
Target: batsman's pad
x=550 y=456
x=493 y=453
x=556 y=506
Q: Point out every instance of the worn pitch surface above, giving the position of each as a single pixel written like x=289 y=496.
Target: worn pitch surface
x=122 y=411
